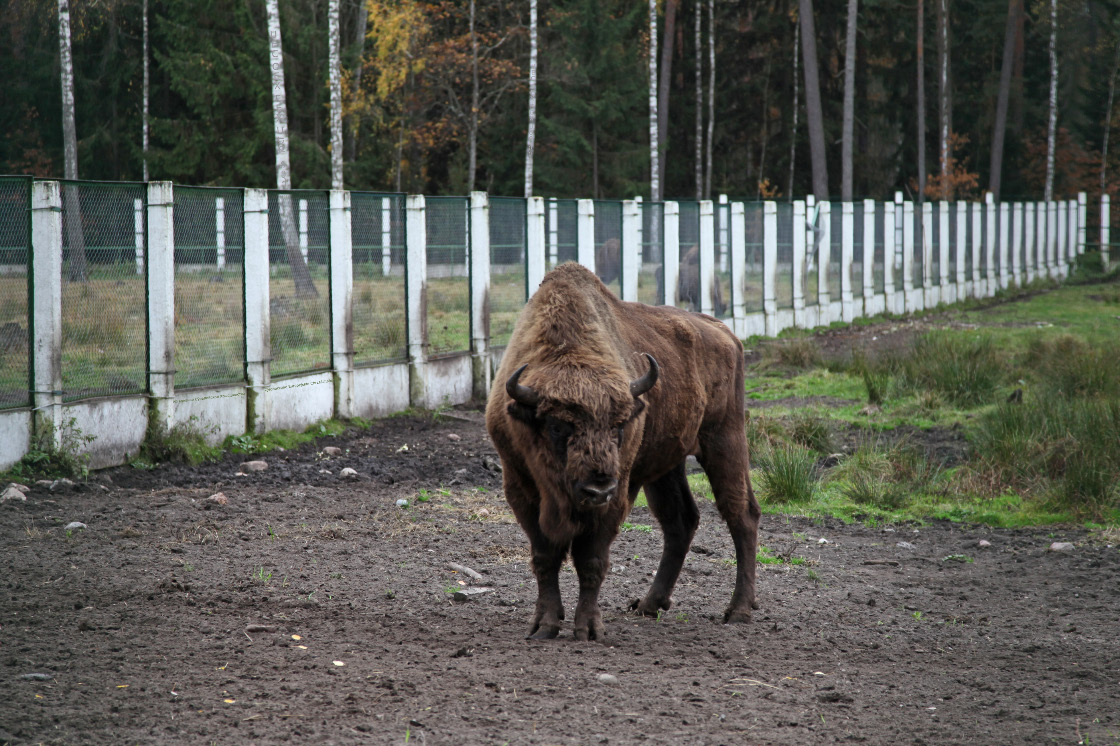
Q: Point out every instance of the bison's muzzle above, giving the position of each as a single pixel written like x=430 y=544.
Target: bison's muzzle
x=593 y=493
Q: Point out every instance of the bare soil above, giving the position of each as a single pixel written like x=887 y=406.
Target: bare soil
x=311 y=608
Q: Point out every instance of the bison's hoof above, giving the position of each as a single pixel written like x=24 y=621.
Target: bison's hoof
x=647 y=607
x=593 y=631
x=737 y=616
x=544 y=632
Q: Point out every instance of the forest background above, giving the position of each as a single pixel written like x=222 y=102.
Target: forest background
x=732 y=84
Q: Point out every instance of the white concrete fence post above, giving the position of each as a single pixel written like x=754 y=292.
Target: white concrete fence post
x=889 y=251
x=303 y=243
x=944 y=289
x=220 y=232
x=929 y=299
x=1004 y=225
x=977 y=247
x=672 y=253
x=1018 y=225
x=961 y=238
x=630 y=253
x=824 y=259
x=46 y=310
x=161 y=306
x=990 y=246
x=1051 y=239
x=797 y=265
x=724 y=231
x=480 y=294
x=1061 y=226
x=707 y=256
x=138 y=233
x=770 y=265
x=553 y=232
x=1105 y=232
x=386 y=236
x=534 y=244
x=908 y=292
x=342 y=302
x=258 y=345
x=585 y=233
x=416 y=284
x=737 y=248
x=870 y=305
x=847 y=250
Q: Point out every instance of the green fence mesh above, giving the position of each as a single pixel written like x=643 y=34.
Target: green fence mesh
x=209 y=286
x=447 y=220
x=15 y=269
x=752 y=250
x=507 y=266
x=104 y=309
x=688 y=229
x=560 y=231
x=651 y=273
x=608 y=243
x=377 y=225
x=299 y=285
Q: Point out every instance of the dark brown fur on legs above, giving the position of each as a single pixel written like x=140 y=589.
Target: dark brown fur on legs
x=596 y=398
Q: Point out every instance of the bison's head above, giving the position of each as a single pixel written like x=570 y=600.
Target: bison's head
x=586 y=427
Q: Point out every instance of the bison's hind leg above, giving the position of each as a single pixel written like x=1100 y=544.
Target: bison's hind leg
x=671 y=503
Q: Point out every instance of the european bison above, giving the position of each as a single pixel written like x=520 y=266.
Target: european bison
x=608 y=260
x=688 y=284
x=596 y=398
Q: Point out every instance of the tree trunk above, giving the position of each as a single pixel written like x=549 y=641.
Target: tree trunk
x=654 y=166
x=849 y=103
x=999 y=128
x=813 y=100
x=711 y=95
x=944 y=97
x=796 y=106
x=472 y=143
x=1052 y=125
x=75 y=236
x=699 y=106
x=147 y=89
x=335 y=62
x=356 y=81
x=304 y=287
x=921 y=107
x=531 y=133
x=666 y=73
x=1108 y=119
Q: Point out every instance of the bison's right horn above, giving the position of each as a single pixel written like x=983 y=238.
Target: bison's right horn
x=523 y=395
x=645 y=383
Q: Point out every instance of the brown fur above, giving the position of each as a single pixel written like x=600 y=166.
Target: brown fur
x=581 y=348
x=688 y=284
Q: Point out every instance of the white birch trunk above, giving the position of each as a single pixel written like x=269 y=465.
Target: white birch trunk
x=711 y=96
x=531 y=133
x=71 y=203
x=944 y=93
x=335 y=63
x=849 y=103
x=796 y=104
x=699 y=106
x=654 y=182
x=303 y=285
x=147 y=89
x=1052 y=126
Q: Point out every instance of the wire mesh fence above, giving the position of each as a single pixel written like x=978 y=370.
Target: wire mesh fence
x=104 y=309
x=918 y=250
x=209 y=286
x=783 y=272
x=651 y=273
x=835 y=240
x=935 y=244
x=878 y=256
x=449 y=300
x=814 y=237
x=508 y=250
x=560 y=231
x=723 y=290
x=15 y=272
x=1113 y=231
x=688 y=283
x=608 y=243
x=299 y=286
x=380 y=319
x=855 y=272
x=752 y=249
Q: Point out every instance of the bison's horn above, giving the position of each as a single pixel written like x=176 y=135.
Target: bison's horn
x=523 y=395
x=645 y=383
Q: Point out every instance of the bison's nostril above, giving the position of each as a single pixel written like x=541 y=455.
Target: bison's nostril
x=599 y=491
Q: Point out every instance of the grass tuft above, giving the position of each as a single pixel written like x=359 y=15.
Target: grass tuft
x=787 y=474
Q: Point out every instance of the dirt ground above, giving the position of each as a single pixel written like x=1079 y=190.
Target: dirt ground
x=311 y=608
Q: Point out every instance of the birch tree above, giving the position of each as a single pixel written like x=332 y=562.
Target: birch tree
x=813 y=99
x=76 y=239
x=711 y=95
x=304 y=287
x=699 y=106
x=654 y=165
x=921 y=55
x=1052 y=120
x=999 y=127
x=335 y=64
x=531 y=133
x=665 y=72
x=145 y=92
x=796 y=105
x=944 y=96
x=849 y=103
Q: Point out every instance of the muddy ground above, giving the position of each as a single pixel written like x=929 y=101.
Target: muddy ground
x=312 y=609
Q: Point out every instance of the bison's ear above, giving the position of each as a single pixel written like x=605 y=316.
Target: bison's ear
x=522 y=413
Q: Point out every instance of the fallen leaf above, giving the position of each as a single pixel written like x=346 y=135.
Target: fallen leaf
x=300 y=647
x=122 y=686
x=229 y=701
x=296 y=637
x=339 y=663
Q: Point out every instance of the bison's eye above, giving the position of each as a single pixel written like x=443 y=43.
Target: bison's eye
x=619 y=432
x=558 y=431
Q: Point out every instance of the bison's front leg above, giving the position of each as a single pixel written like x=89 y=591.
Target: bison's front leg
x=547 y=559
x=591 y=557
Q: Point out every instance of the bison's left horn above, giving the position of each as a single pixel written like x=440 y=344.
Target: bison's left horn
x=645 y=383
x=521 y=394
